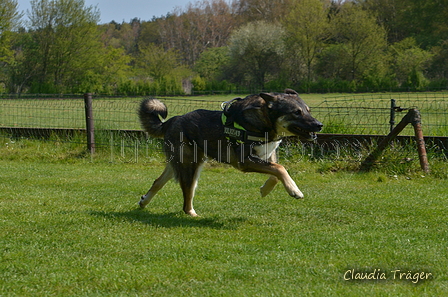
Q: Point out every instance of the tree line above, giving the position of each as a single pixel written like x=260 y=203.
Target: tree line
x=310 y=45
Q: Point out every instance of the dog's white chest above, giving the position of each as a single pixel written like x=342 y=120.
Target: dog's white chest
x=265 y=151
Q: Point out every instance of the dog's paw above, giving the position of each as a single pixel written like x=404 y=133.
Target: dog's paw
x=142 y=203
x=297 y=194
x=293 y=190
x=191 y=213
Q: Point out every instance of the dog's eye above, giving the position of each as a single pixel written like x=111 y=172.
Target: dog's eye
x=298 y=112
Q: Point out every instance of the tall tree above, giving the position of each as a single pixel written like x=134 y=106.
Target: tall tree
x=267 y=10
x=257 y=49
x=156 y=62
x=211 y=62
x=307 y=29
x=363 y=41
x=426 y=21
x=9 y=19
x=149 y=33
x=65 y=43
x=202 y=25
x=409 y=62
x=389 y=14
x=439 y=67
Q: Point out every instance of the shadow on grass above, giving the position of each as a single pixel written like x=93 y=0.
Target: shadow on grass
x=171 y=220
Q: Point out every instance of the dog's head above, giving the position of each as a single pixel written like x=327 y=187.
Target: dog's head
x=291 y=115
x=285 y=113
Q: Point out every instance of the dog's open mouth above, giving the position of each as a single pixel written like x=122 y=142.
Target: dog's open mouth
x=313 y=136
x=305 y=135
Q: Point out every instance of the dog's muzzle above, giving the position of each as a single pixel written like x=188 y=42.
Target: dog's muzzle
x=305 y=135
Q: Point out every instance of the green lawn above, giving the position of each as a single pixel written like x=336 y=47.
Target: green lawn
x=73 y=229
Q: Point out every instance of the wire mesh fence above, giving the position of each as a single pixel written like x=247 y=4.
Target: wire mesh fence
x=109 y=113
x=371 y=113
x=118 y=132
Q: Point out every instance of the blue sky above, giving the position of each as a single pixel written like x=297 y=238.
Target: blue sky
x=125 y=10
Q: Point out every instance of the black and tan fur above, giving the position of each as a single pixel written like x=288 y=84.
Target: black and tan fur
x=191 y=139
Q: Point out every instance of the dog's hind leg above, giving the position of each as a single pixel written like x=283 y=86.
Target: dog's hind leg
x=268 y=186
x=188 y=180
x=157 y=185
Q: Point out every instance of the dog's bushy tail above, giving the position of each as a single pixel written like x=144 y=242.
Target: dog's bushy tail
x=150 y=113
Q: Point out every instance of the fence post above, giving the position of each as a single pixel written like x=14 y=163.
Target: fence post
x=412 y=117
x=392 y=114
x=417 y=123
x=367 y=164
x=90 y=129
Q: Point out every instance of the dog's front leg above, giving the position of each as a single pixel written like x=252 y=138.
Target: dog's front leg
x=277 y=170
x=287 y=181
x=292 y=189
x=268 y=186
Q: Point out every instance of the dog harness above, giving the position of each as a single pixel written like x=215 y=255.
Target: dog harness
x=234 y=131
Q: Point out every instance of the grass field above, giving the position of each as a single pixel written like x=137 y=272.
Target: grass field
x=70 y=225
x=72 y=228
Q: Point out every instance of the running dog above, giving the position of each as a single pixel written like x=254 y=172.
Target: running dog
x=245 y=134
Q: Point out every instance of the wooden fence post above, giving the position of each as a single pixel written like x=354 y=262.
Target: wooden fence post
x=412 y=117
x=417 y=123
x=90 y=129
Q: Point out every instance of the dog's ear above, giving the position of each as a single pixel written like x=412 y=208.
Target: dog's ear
x=269 y=99
x=291 y=91
x=252 y=106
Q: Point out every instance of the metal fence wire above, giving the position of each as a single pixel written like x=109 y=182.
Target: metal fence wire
x=117 y=128
x=69 y=113
x=371 y=114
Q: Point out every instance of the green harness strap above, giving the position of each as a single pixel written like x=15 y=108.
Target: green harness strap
x=235 y=131
x=235 y=124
